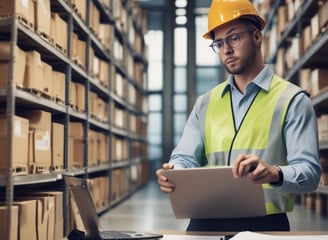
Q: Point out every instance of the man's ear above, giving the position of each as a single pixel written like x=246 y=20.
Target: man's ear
x=258 y=37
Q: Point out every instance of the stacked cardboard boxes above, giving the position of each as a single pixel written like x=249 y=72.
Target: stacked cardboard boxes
x=76 y=145
x=22 y=9
x=39 y=141
x=19 y=137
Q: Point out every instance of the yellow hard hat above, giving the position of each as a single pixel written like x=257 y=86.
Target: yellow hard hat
x=224 y=11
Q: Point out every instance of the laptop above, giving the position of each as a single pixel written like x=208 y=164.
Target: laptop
x=214 y=193
x=87 y=210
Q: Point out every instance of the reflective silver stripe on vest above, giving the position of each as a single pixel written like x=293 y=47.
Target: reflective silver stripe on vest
x=276 y=145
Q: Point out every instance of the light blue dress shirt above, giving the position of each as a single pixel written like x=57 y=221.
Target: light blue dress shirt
x=302 y=174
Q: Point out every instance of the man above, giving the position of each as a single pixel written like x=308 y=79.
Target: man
x=262 y=125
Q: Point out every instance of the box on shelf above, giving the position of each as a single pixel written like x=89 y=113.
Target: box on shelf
x=58 y=86
x=39 y=140
x=42 y=18
x=78 y=50
x=323 y=16
x=307 y=37
x=315 y=30
x=23 y=9
x=102 y=147
x=105 y=35
x=76 y=145
x=19 y=138
x=34 y=71
x=92 y=149
x=305 y=81
x=80 y=8
x=47 y=77
x=57 y=146
x=58 y=31
x=76 y=130
x=94 y=18
x=319 y=79
x=4 y=228
x=76 y=153
x=104 y=73
x=80 y=97
x=27 y=219
x=45 y=214
x=19 y=62
x=72 y=95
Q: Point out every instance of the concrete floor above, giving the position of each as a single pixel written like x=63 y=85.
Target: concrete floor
x=149 y=209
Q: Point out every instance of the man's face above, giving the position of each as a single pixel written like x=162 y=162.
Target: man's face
x=236 y=44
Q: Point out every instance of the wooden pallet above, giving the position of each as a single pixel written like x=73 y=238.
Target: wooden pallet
x=60 y=48
x=20 y=170
x=56 y=168
x=38 y=93
x=46 y=37
x=78 y=63
x=39 y=168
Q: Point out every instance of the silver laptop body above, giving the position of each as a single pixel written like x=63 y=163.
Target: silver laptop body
x=214 y=193
x=86 y=207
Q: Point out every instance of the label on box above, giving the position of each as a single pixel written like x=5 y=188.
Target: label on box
x=17 y=128
x=42 y=141
x=25 y=3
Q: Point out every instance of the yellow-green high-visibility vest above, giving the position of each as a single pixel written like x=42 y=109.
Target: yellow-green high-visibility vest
x=260 y=133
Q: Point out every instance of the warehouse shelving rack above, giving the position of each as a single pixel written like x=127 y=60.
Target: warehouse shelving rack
x=13 y=97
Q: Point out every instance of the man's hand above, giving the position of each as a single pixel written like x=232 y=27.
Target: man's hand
x=253 y=168
x=163 y=182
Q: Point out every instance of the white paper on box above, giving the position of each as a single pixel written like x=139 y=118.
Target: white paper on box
x=17 y=128
x=42 y=141
x=25 y=3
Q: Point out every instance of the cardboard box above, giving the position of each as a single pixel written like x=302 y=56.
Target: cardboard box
x=72 y=94
x=105 y=35
x=80 y=97
x=39 y=140
x=27 y=219
x=104 y=73
x=57 y=146
x=78 y=152
x=13 y=231
x=92 y=148
x=315 y=27
x=93 y=107
x=19 y=140
x=42 y=16
x=22 y=8
x=103 y=146
x=80 y=7
x=76 y=130
x=47 y=77
x=45 y=213
x=323 y=16
x=58 y=223
x=58 y=86
x=94 y=18
x=39 y=119
x=58 y=31
x=40 y=147
x=19 y=61
x=34 y=71
x=319 y=79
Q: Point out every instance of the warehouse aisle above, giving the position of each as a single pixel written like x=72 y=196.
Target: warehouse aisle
x=149 y=210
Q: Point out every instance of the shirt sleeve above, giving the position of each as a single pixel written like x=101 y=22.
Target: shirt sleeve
x=302 y=174
x=189 y=152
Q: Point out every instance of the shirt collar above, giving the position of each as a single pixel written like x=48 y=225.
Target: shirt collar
x=262 y=80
